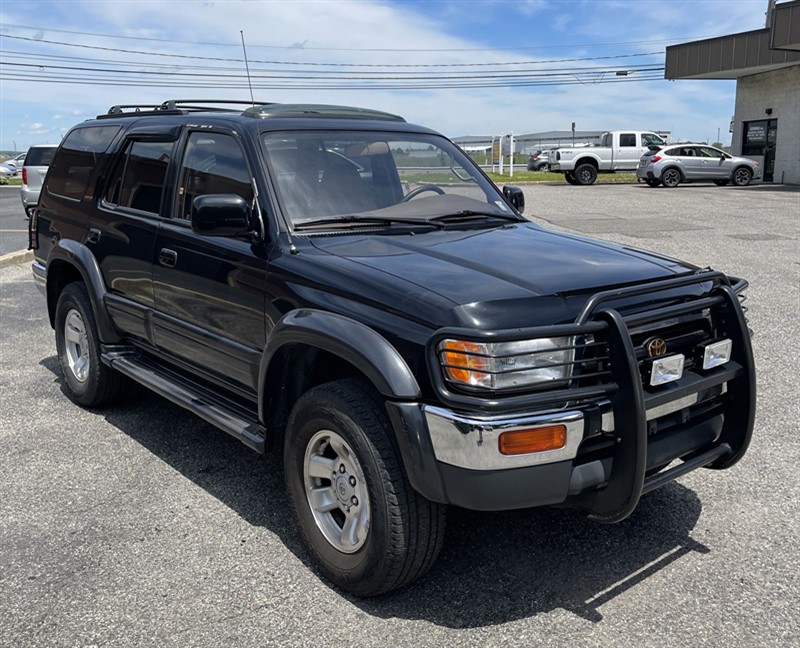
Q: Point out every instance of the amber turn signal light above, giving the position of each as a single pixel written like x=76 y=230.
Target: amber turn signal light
x=540 y=439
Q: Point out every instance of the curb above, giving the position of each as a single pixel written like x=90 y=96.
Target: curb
x=16 y=258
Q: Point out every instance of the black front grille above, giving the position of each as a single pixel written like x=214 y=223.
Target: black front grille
x=682 y=336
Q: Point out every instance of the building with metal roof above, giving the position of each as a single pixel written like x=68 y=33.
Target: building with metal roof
x=766 y=66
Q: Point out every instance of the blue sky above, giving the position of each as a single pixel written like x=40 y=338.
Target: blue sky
x=162 y=45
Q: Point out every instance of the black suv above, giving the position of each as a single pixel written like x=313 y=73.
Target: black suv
x=351 y=291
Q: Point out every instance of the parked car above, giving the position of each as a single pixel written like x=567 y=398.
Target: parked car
x=676 y=163
x=287 y=273
x=619 y=151
x=11 y=167
x=34 y=169
x=537 y=161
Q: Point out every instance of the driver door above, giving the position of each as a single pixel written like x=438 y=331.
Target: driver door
x=210 y=290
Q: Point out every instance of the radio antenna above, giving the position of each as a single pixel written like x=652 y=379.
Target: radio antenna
x=247 y=67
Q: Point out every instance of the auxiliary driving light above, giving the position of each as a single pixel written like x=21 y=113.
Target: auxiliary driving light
x=717 y=353
x=552 y=437
x=666 y=370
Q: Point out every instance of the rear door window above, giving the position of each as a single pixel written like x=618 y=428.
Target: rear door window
x=627 y=139
x=77 y=159
x=708 y=152
x=138 y=178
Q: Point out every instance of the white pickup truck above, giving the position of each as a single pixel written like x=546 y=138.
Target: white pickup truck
x=618 y=151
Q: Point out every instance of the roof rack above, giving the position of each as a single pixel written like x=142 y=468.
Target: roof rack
x=319 y=110
x=258 y=109
x=179 y=107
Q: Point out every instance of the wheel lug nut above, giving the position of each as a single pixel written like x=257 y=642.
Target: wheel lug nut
x=352 y=481
x=341 y=468
x=354 y=500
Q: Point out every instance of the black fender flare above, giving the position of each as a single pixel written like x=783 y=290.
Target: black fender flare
x=357 y=343
x=81 y=258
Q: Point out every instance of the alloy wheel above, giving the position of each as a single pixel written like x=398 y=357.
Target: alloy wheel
x=336 y=491
x=76 y=345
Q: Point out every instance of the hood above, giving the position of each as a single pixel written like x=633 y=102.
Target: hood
x=479 y=271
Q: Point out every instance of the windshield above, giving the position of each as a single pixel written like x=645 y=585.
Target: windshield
x=356 y=175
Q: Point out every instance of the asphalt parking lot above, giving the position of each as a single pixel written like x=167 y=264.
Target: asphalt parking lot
x=144 y=526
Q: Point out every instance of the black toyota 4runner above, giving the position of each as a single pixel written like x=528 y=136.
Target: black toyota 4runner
x=351 y=291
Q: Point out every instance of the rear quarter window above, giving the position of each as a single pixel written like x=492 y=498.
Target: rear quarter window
x=77 y=159
x=40 y=156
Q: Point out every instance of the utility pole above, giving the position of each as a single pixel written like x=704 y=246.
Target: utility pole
x=770 y=9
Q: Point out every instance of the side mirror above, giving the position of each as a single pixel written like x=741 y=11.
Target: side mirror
x=515 y=196
x=220 y=215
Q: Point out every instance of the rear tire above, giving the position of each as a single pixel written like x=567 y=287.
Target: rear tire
x=742 y=176
x=652 y=183
x=89 y=382
x=585 y=174
x=721 y=183
x=569 y=176
x=366 y=528
x=671 y=178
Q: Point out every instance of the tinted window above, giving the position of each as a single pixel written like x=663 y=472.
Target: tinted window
x=214 y=163
x=755 y=137
x=138 y=178
x=338 y=173
x=627 y=139
x=77 y=158
x=40 y=155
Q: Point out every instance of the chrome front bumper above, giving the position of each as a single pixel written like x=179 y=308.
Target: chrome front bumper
x=472 y=442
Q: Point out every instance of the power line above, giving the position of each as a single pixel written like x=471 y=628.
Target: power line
x=325 y=64
x=330 y=74
x=355 y=65
x=288 y=83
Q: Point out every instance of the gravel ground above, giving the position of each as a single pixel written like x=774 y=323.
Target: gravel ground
x=144 y=526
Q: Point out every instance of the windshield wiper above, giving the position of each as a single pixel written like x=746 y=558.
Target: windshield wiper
x=362 y=221
x=469 y=215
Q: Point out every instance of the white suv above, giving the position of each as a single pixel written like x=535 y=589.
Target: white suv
x=34 y=169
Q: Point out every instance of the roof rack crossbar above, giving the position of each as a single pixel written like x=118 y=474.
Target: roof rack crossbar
x=180 y=106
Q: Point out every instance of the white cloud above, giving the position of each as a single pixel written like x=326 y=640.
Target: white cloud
x=382 y=25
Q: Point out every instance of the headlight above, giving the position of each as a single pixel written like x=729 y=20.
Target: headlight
x=507 y=365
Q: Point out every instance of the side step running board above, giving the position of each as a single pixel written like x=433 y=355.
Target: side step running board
x=226 y=415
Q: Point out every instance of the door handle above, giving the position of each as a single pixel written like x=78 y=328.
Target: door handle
x=167 y=257
x=94 y=235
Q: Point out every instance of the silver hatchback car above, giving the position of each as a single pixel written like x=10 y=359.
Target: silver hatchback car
x=675 y=163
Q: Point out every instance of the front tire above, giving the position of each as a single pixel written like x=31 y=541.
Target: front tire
x=366 y=528
x=742 y=177
x=585 y=174
x=89 y=382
